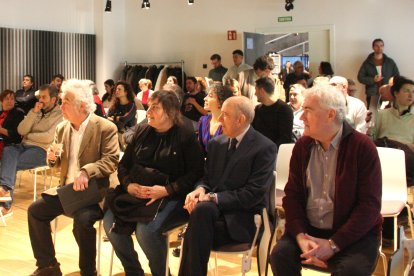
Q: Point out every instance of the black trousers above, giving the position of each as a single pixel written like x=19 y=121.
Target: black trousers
x=358 y=259
x=206 y=230
x=42 y=212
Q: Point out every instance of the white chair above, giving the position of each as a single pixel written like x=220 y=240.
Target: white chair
x=99 y=239
x=394 y=186
x=265 y=244
x=246 y=249
x=396 y=264
x=167 y=235
x=281 y=175
x=35 y=171
x=282 y=171
x=140 y=115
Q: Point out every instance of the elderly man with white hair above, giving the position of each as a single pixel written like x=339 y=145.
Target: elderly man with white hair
x=333 y=194
x=356 y=111
x=90 y=150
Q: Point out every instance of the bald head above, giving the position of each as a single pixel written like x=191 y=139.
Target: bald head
x=236 y=115
x=340 y=83
x=243 y=106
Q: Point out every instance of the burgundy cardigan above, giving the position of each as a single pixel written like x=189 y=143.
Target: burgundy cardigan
x=358 y=189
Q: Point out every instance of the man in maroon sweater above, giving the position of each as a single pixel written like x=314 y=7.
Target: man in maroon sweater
x=333 y=194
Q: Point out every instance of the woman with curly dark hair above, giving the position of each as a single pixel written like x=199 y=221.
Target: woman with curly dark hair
x=123 y=110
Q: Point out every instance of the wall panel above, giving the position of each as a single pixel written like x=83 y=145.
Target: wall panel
x=44 y=54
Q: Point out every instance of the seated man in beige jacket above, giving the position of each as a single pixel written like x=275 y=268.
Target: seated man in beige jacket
x=90 y=149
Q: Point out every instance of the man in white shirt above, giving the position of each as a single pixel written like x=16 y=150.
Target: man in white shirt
x=356 y=110
x=234 y=71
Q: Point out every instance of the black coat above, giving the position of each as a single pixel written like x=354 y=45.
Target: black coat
x=11 y=123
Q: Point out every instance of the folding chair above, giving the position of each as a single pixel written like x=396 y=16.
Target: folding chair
x=394 y=186
x=241 y=248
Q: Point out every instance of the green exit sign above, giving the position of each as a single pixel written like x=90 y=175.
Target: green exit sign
x=285 y=19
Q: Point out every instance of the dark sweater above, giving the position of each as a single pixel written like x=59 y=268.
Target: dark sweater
x=123 y=115
x=175 y=153
x=358 y=189
x=275 y=122
x=25 y=100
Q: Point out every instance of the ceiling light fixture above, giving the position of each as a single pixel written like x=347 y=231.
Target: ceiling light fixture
x=190 y=2
x=108 y=7
x=145 y=4
x=289 y=5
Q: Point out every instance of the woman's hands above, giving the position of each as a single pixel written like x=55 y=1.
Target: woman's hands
x=147 y=192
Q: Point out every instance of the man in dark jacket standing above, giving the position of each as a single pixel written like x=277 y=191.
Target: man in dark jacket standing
x=375 y=71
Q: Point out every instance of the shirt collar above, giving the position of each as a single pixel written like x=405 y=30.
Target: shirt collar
x=241 y=136
x=336 y=140
x=83 y=124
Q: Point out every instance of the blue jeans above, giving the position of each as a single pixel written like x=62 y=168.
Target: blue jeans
x=150 y=238
x=19 y=157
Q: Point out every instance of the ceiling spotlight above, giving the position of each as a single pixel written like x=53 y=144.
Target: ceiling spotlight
x=108 y=7
x=289 y=5
x=190 y=2
x=145 y=4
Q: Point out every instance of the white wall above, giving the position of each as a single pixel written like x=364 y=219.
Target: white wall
x=172 y=30
x=48 y=15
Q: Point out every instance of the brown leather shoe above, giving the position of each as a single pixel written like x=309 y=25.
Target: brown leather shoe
x=52 y=270
x=6 y=212
x=4 y=195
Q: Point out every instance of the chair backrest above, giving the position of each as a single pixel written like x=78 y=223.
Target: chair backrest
x=141 y=115
x=282 y=165
x=394 y=183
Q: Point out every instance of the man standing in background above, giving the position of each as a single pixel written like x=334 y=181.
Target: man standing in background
x=375 y=71
x=234 y=71
x=218 y=71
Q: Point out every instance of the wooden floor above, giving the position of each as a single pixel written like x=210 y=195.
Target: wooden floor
x=16 y=257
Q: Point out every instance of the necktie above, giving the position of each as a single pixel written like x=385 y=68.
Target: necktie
x=232 y=148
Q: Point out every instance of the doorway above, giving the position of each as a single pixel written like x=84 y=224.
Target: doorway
x=311 y=44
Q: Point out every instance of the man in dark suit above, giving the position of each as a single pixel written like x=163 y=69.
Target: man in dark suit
x=238 y=175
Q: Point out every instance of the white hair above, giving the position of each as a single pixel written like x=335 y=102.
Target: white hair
x=329 y=97
x=81 y=89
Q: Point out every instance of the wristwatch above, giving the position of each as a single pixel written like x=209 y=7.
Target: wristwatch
x=212 y=196
x=334 y=248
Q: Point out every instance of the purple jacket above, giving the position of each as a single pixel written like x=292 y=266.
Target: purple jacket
x=358 y=189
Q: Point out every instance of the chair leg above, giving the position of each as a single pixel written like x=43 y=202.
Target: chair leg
x=167 y=261
x=410 y=220
x=111 y=262
x=98 y=263
x=395 y=233
x=245 y=265
x=35 y=185
x=3 y=219
x=54 y=234
x=215 y=262
x=384 y=262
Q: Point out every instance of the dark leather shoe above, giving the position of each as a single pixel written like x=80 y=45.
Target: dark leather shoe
x=52 y=270
x=176 y=251
x=82 y=273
